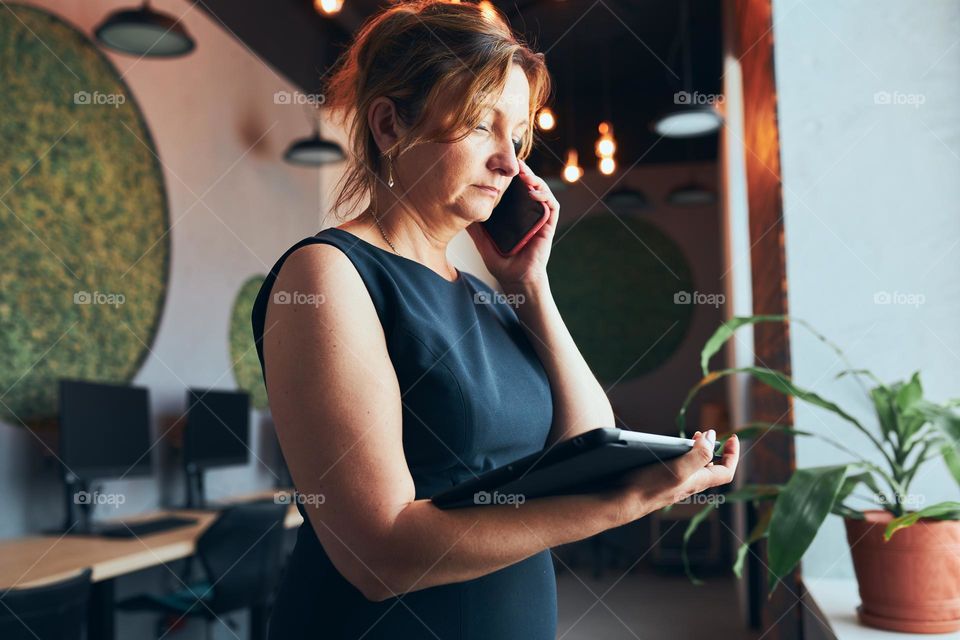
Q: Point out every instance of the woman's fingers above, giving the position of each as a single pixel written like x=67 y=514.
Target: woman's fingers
x=697 y=458
x=723 y=472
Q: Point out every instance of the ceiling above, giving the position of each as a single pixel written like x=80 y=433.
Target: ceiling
x=632 y=47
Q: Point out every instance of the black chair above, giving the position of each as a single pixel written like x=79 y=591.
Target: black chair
x=56 y=611
x=241 y=555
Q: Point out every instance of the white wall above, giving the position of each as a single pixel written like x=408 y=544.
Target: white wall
x=870 y=200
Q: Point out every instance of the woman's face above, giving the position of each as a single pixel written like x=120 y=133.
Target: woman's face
x=445 y=179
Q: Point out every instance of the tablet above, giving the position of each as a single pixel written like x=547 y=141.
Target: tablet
x=591 y=461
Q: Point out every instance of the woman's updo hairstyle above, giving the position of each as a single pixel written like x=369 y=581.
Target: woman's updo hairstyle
x=429 y=57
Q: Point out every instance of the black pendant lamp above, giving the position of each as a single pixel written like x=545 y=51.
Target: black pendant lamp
x=627 y=200
x=144 y=32
x=314 y=151
x=691 y=193
x=685 y=119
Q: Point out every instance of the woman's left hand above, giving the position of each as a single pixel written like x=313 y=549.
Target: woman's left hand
x=527 y=267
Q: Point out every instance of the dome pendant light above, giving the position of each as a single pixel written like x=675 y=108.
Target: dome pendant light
x=685 y=119
x=314 y=151
x=691 y=193
x=144 y=32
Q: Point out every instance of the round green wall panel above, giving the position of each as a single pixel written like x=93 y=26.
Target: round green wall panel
x=243 y=351
x=615 y=283
x=83 y=217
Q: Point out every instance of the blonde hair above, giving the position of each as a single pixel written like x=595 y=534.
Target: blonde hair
x=429 y=57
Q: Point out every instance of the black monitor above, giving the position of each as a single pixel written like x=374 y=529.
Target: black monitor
x=104 y=433
x=217 y=432
x=104 y=429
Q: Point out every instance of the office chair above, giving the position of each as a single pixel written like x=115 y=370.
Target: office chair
x=241 y=555
x=56 y=611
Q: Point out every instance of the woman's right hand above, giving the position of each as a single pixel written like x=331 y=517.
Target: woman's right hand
x=658 y=485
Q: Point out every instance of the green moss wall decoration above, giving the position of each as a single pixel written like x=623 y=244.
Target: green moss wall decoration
x=614 y=282
x=83 y=217
x=243 y=351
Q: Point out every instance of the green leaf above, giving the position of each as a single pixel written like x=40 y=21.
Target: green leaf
x=939 y=511
x=948 y=422
x=798 y=513
x=775 y=380
x=851 y=482
x=952 y=460
x=846 y=512
x=882 y=398
x=861 y=372
x=779 y=382
x=725 y=331
x=694 y=523
x=754 y=429
x=753 y=492
x=910 y=393
x=759 y=531
x=744 y=494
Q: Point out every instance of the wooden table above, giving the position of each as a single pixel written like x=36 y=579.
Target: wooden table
x=37 y=560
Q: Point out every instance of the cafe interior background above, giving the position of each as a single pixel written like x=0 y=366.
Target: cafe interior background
x=712 y=159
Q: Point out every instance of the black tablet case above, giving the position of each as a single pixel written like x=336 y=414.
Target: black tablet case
x=591 y=461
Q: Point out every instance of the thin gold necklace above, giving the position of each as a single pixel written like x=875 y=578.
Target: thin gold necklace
x=376 y=219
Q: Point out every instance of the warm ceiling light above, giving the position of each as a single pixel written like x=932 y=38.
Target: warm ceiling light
x=546 y=119
x=607 y=166
x=606 y=145
x=328 y=7
x=571 y=171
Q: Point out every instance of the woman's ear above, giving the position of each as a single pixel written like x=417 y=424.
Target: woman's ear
x=384 y=123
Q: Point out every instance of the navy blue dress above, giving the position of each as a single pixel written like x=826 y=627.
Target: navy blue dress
x=475 y=396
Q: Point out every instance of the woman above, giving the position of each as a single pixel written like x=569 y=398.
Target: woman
x=392 y=375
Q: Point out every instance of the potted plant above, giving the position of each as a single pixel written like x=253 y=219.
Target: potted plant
x=907 y=560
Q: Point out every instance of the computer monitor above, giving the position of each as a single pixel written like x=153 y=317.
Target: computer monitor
x=104 y=429
x=104 y=433
x=217 y=434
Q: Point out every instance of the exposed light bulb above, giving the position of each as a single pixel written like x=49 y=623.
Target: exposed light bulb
x=546 y=119
x=606 y=144
x=607 y=166
x=571 y=171
x=328 y=7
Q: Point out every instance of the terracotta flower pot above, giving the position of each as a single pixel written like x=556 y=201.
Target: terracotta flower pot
x=912 y=582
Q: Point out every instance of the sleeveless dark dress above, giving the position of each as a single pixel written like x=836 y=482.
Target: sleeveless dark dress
x=475 y=397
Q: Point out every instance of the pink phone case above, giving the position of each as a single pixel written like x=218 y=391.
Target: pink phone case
x=526 y=238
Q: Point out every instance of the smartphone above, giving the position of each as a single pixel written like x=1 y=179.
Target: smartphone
x=515 y=219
